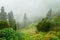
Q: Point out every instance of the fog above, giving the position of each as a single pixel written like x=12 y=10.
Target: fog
x=33 y=8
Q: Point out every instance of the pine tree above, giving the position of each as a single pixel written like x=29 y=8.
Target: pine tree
x=25 y=20
x=11 y=19
x=3 y=15
x=49 y=14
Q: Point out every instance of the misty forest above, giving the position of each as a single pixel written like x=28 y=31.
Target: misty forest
x=36 y=27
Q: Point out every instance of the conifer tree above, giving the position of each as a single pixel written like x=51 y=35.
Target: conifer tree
x=3 y=15
x=49 y=14
x=11 y=19
x=25 y=20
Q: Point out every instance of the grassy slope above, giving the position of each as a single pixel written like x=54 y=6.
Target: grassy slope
x=30 y=29
x=30 y=33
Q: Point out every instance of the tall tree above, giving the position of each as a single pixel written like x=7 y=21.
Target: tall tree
x=3 y=14
x=25 y=20
x=10 y=16
x=11 y=19
x=49 y=14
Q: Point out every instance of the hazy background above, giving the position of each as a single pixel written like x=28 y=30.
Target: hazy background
x=33 y=8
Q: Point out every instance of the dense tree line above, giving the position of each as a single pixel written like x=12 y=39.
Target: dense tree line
x=7 y=20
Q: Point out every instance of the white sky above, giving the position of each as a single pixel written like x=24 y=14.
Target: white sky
x=33 y=8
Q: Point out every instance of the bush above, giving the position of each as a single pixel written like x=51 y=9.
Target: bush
x=44 y=25
x=3 y=24
x=10 y=34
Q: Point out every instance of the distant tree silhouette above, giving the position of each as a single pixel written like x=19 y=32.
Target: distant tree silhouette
x=49 y=14
x=25 y=20
x=3 y=15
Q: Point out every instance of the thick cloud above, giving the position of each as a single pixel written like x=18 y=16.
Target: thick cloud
x=33 y=8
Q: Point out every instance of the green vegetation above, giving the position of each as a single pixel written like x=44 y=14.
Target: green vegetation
x=10 y=34
x=3 y=24
x=47 y=29
x=44 y=25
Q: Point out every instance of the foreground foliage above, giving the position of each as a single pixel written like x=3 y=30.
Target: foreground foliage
x=51 y=35
x=10 y=34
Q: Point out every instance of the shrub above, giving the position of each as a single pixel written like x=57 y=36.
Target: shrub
x=44 y=25
x=3 y=24
x=10 y=34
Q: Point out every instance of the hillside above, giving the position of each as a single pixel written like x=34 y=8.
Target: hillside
x=30 y=32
